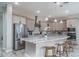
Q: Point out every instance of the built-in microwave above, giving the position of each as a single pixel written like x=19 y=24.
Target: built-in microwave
x=71 y=29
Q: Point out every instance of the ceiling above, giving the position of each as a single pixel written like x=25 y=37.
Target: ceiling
x=46 y=9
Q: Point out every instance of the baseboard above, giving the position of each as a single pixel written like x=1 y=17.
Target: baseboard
x=7 y=51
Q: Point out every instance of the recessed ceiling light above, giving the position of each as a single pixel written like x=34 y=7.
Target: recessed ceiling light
x=46 y=19
x=67 y=11
x=58 y=3
x=16 y=3
x=38 y=11
x=61 y=21
x=55 y=20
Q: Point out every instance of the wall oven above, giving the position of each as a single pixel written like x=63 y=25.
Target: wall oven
x=72 y=33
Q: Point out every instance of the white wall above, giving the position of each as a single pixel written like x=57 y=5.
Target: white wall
x=7 y=28
x=1 y=27
x=77 y=30
x=1 y=9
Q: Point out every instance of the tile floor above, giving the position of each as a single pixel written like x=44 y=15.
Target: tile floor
x=21 y=53
x=75 y=53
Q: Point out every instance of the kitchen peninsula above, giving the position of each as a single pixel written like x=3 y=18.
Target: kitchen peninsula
x=35 y=44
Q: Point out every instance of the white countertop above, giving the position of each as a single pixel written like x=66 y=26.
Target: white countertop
x=39 y=39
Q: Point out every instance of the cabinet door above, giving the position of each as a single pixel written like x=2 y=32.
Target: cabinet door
x=71 y=23
x=23 y=20
x=16 y=19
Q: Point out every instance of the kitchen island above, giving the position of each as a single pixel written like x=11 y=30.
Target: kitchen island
x=35 y=44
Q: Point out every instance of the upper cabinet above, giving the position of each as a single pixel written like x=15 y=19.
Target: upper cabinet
x=17 y=19
x=23 y=20
x=30 y=24
x=58 y=25
x=71 y=23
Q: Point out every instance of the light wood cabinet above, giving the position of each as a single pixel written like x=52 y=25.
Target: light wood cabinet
x=58 y=26
x=17 y=19
x=71 y=23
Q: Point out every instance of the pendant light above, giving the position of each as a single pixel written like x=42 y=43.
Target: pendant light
x=38 y=11
x=61 y=21
x=55 y=20
x=46 y=19
x=16 y=3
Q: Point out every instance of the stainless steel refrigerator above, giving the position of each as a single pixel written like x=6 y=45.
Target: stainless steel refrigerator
x=19 y=31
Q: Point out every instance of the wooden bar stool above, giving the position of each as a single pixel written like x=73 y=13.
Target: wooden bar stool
x=59 y=50
x=69 y=45
x=50 y=51
x=62 y=49
x=65 y=49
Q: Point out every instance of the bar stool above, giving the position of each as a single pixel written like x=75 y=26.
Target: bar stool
x=59 y=50
x=62 y=49
x=50 y=51
x=70 y=45
x=65 y=49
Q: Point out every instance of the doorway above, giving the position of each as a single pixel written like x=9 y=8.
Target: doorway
x=1 y=33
